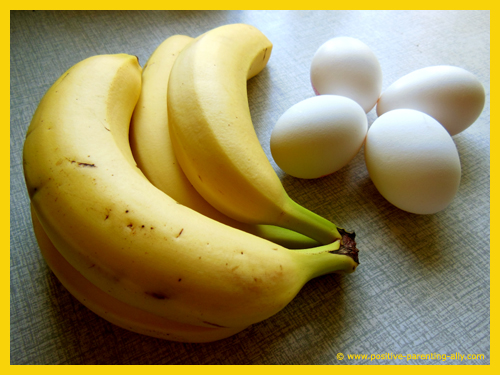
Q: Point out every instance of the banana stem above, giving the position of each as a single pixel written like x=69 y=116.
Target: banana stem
x=340 y=256
x=301 y=220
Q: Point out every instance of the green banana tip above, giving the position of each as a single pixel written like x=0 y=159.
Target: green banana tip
x=347 y=245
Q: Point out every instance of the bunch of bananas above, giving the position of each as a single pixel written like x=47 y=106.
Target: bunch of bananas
x=153 y=202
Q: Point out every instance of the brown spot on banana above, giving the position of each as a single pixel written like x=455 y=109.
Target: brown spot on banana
x=157 y=295
x=82 y=164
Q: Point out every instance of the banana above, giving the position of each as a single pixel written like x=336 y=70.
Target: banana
x=115 y=311
x=214 y=139
x=131 y=240
x=152 y=149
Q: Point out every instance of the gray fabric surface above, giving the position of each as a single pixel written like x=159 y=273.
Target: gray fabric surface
x=423 y=283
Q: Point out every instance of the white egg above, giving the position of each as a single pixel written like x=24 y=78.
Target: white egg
x=348 y=67
x=452 y=95
x=412 y=161
x=318 y=136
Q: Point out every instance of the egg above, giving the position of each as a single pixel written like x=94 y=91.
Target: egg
x=348 y=67
x=412 y=161
x=318 y=136
x=452 y=95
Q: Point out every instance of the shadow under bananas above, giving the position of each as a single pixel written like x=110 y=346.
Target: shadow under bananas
x=319 y=315
x=300 y=327
x=82 y=337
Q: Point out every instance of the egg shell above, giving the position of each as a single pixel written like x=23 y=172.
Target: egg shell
x=318 y=136
x=348 y=67
x=412 y=161
x=452 y=95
